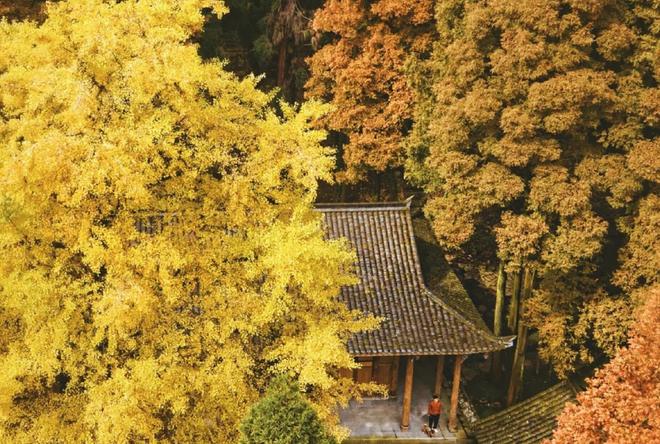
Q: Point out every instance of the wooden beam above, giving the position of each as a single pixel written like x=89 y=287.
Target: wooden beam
x=439 y=369
x=407 y=394
x=455 y=388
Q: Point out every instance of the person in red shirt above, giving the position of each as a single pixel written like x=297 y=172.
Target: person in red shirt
x=435 y=407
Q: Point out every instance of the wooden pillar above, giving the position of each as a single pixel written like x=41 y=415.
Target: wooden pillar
x=439 y=369
x=455 y=388
x=281 y=64
x=407 y=394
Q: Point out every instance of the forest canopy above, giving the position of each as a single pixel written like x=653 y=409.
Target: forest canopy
x=159 y=165
x=621 y=402
x=111 y=122
x=531 y=122
x=360 y=70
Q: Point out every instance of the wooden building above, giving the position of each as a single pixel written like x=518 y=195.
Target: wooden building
x=416 y=321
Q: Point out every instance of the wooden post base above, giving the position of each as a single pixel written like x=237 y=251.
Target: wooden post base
x=455 y=388
x=407 y=394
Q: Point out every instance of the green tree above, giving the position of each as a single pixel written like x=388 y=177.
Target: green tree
x=275 y=36
x=283 y=416
x=160 y=254
x=534 y=129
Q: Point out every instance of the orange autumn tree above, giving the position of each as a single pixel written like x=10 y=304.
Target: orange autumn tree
x=534 y=136
x=622 y=402
x=639 y=259
x=360 y=70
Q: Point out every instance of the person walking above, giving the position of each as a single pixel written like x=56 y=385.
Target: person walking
x=435 y=407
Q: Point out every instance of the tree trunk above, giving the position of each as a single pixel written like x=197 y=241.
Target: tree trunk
x=518 y=366
x=537 y=364
x=497 y=323
x=281 y=65
x=400 y=185
x=512 y=320
x=377 y=185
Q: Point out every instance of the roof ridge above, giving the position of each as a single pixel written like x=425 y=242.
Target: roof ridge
x=500 y=340
x=505 y=340
x=367 y=206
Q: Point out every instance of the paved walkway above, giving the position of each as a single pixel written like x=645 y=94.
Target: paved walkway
x=382 y=417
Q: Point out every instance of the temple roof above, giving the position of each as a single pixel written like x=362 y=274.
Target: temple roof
x=528 y=422
x=416 y=321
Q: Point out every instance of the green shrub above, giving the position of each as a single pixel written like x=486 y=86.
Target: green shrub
x=283 y=416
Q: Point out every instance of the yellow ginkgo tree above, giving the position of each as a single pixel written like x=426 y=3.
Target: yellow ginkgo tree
x=161 y=258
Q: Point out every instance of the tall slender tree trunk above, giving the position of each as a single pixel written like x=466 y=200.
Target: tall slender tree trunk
x=497 y=322
x=512 y=319
x=517 y=369
x=400 y=185
x=378 y=185
x=281 y=65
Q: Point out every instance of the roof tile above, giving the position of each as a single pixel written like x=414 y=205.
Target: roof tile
x=528 y=422
x=391 y=286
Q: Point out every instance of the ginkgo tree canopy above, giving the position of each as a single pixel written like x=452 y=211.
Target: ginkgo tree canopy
x=109 y=122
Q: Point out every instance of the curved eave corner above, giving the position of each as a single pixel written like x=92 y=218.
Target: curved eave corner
x=495 y=343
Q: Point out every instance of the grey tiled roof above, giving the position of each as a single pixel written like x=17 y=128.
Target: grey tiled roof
x=528 y=422
x=438 y=275
x=415 y=321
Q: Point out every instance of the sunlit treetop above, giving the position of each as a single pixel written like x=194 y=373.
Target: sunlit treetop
x=534 y=133
x=361 y=71
x=110 y=121
x=621 y=401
